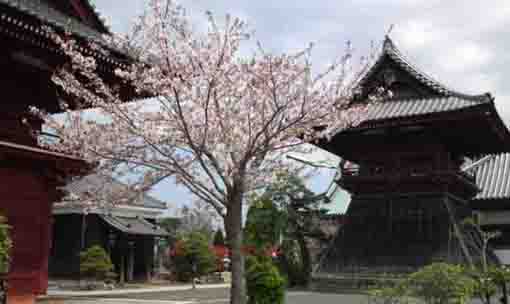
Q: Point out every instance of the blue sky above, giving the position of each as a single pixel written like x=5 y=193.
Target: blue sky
x=462 y=43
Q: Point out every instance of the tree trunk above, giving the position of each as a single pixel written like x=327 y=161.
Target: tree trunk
x=305 y=258
x=233 y=227
x=504 y=300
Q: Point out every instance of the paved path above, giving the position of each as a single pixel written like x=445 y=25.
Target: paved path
x=125 y=292
x=213 y=296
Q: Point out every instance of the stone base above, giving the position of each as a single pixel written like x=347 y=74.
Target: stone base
x=351 y=284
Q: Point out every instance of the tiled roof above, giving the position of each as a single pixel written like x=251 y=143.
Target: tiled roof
x=135 y=226
x=413 y=107
x=389 y=49
x=443 y=99
x=97 y=15
x=47 y=14
x=108 y=188
x=493 y=176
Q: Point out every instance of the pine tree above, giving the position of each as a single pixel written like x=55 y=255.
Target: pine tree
x=95 y=263
x=219 y=240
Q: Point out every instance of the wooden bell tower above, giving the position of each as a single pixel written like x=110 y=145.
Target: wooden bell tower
x=404 y=170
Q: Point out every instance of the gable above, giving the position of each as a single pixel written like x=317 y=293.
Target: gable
x=393 y=71
x=390 y=75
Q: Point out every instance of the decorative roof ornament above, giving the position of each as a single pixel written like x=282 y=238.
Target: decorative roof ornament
x=388 y=44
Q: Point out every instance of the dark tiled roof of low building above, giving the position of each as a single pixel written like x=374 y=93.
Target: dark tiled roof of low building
x=109 y=189
x=134 y=226
x=493 y=177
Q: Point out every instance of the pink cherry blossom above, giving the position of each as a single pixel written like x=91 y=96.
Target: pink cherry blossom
x=218 y=122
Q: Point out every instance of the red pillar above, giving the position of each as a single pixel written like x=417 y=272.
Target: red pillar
x=26 y=202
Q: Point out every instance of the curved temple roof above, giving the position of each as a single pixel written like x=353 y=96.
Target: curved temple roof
x=44 y=14
x=492 y=176
x=390 y=50
x=47 y=14
x=443 y=98
x=420 y=99
x=419 y=106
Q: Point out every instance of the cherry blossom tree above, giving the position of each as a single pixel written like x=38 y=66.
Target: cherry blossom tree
x=219 y=120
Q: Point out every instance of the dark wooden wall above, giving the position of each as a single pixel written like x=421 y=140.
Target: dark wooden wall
x=64 y=259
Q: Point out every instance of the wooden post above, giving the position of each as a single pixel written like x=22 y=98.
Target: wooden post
x=131 y=261
x=82 y=241
x=122 y=275
x=458 y=232
x=83 y=230
x=150 y=256
x=122 y=270
x=390 y=216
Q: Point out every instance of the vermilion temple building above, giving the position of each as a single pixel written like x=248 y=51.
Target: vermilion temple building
x=420 y=163
x=30 y=175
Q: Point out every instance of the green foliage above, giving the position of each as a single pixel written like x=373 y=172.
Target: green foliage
x=442 y=283
x=484 y=285
x=286 y=214
x=488 y=282
x=219 y=240
x=193 y=249
x=95 y=263
x=302 y=213
x=500 y=275
x=264 y=223
x=5 y=245
x=171 y=224
x=390 y=295
x=291 y=265
x=265 y=284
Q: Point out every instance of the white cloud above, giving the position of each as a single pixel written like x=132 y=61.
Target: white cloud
x=415 y=34
x=462 y=42
x=465 y=56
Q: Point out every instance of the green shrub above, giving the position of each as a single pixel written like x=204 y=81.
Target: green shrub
x=488 y=282
x=265 y=284
x=5 y=245
x=193 y=249
x=442 y=283
x=95 y=263
x=390 y=295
